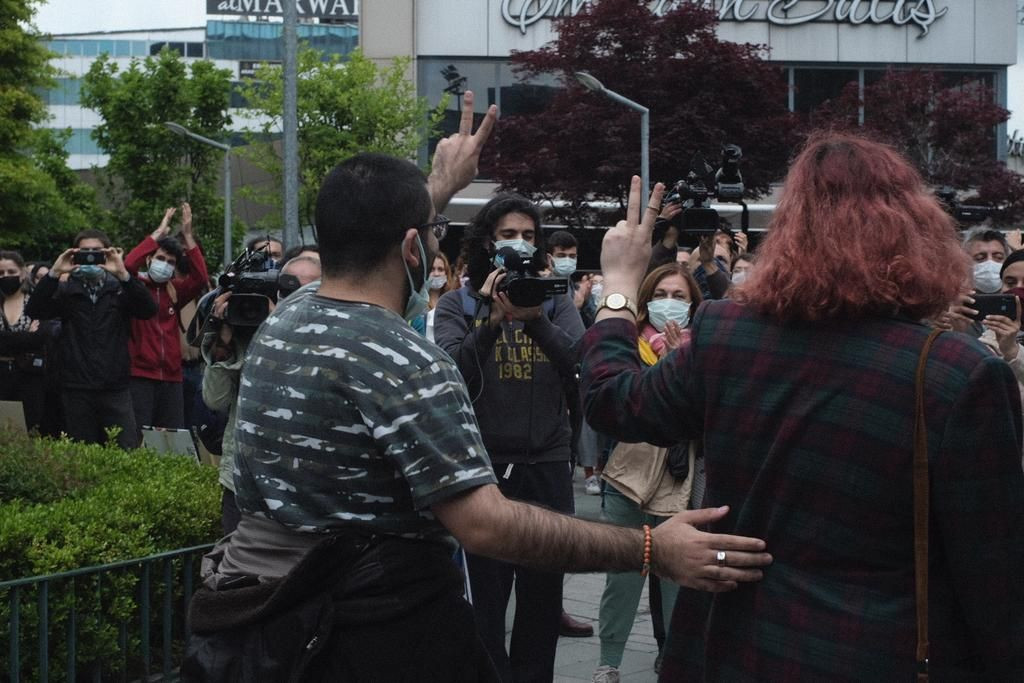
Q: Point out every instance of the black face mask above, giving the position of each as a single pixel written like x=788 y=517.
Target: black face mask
x=10 y=284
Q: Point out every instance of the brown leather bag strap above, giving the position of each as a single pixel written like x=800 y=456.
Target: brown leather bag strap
x=921 y=498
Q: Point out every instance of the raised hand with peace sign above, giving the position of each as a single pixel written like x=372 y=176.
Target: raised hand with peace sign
x=626 y=249
x=456 y=157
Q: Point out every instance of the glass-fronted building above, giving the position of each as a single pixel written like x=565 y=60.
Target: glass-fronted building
x=236 y=45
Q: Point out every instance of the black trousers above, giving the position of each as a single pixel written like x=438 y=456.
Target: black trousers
x=157 y=404
x=531 y=653
x=27 y=387
x=88 y=413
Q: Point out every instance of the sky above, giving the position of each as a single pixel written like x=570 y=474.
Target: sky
x=77 y=16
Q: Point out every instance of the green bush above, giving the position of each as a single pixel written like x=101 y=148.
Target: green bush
x=66 y=505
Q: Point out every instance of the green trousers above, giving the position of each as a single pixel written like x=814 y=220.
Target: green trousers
x=622 y=590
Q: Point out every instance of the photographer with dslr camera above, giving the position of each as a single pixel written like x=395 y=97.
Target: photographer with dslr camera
x=95 y=297
x=516 y=360
x=223 y=347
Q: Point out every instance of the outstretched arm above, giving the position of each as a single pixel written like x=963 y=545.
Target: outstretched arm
x=489 y=524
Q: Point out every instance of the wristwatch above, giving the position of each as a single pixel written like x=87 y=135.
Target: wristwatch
x=618 y=302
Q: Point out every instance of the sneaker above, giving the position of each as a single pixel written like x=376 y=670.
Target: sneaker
x=593 y=487
x=606 y=674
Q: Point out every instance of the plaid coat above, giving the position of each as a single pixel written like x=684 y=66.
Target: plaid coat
x=807 y=432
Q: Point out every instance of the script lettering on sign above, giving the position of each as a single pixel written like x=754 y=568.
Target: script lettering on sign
x=324 y=9
x=923 y=13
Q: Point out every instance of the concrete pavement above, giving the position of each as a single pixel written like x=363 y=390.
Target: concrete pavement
x=578 y=657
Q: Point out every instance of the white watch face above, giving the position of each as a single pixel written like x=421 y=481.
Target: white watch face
x=615 y=301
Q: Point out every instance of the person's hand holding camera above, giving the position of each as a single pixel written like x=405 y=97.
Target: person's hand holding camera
x=1006 y=331
x=742 y=242
x=513 y=312
x=960 y=315
x=114 y=263
x=64 y=263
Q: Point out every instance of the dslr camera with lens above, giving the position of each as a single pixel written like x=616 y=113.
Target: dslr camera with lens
x=525 y=288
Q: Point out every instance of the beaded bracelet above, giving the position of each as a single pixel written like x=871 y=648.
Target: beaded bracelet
x=646 y=569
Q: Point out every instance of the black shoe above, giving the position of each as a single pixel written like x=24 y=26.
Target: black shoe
x=572 y=628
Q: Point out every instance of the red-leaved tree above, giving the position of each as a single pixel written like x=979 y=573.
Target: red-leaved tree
x=946 y=128
x=702 y=92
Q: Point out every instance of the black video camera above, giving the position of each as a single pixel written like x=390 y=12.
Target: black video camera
x=252 y=289
x=965 y=214
x=701 y=184
x=524 y=287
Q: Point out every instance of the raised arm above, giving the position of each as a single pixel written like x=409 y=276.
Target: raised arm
x=457 y=156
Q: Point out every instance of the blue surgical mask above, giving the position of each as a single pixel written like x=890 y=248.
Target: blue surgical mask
x=419 y=298
x=88 y=272
x=521 y=246
x=661 y=311
x=160 y=271
x=986 y=277
x=563 y=267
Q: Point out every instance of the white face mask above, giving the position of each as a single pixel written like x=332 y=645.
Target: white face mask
x=661 y=311
x=595 y=293
x=986 y=277
x=438 y=281
x=521 y=247
x=564 y=267
x=739 y=278
x=419 y=299
x=160 y=271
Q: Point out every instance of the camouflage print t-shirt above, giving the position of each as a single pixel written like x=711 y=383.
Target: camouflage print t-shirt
x=348 y=418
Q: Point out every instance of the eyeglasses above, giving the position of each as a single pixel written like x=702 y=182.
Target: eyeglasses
x=439 y=226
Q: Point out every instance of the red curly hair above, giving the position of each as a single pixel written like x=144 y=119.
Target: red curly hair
x=856 y=233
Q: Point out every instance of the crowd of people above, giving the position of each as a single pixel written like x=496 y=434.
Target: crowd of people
x=401 y=432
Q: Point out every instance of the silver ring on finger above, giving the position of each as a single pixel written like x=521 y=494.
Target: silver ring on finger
x=720 y=558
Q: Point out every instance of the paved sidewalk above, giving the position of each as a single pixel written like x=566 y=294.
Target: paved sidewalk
x=578 y=657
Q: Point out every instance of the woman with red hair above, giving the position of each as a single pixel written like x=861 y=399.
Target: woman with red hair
x=802 y=388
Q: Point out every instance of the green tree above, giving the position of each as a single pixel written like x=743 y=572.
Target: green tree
x=43 y=202
x=150 y=167
x=345 y=106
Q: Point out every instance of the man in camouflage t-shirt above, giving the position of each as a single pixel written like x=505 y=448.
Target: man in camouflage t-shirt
x=345 y=419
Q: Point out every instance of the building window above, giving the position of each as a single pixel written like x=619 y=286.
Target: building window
x=193 y=49
x=813 y=87
x=261 y=41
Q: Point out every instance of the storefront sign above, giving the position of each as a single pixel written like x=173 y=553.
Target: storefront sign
x=322 y=9
x=922 y=13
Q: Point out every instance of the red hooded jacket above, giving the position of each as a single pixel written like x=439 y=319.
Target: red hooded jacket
x=155 y=344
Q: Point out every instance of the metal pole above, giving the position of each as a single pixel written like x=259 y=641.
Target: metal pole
x=227 y=209
x=645 y=137
x=645 y=157
x=290 y=142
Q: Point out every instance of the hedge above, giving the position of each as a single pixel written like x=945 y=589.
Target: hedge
x=66 y=505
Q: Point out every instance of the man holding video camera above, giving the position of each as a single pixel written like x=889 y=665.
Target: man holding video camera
x=516 y=357
x=223 y=348
x=95 y=297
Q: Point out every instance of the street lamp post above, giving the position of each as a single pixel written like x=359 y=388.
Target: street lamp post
x=182 y=130
x=592 y=84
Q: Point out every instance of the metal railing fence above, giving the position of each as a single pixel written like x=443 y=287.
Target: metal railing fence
x=99 y=623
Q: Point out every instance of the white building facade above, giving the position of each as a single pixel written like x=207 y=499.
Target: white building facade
x=820 y=44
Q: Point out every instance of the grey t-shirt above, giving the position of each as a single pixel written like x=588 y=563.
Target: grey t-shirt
x=348 y=418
